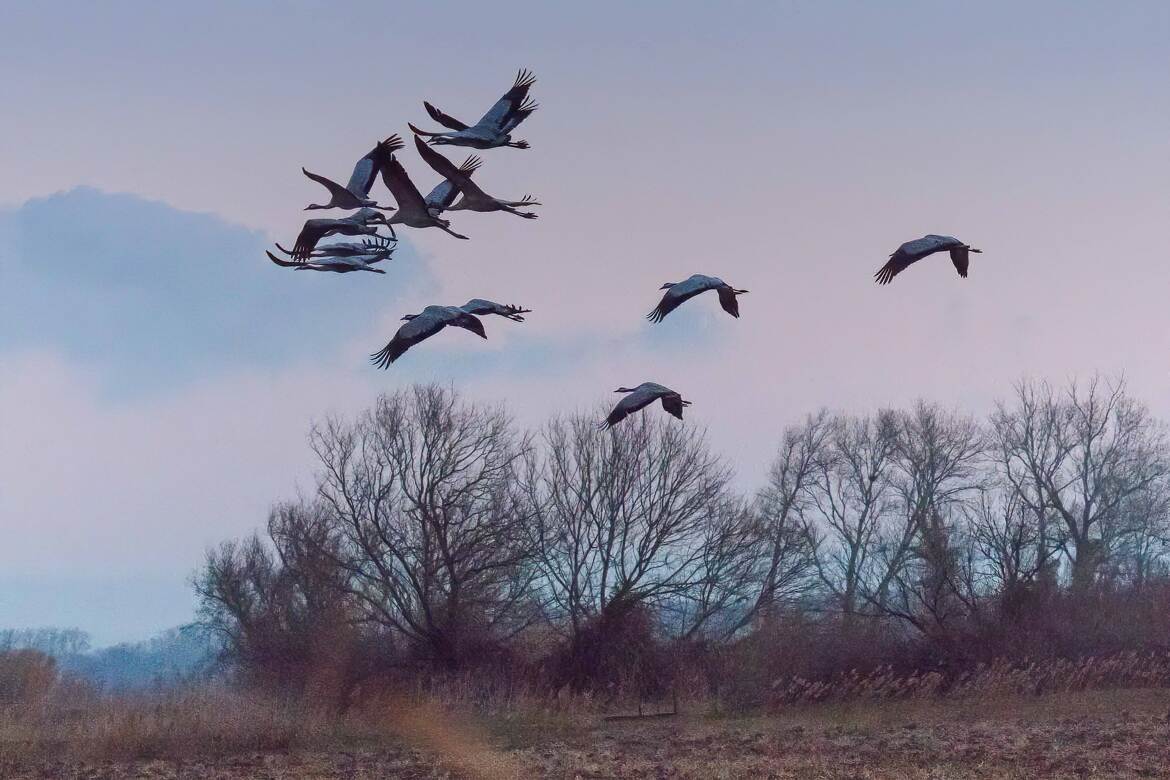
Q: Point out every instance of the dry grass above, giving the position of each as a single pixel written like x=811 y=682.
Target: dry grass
x=1002 y=678
x=1114 y=734
x=1076 y=723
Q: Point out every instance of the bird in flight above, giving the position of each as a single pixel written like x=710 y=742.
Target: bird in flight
x=413 y=210
x=361 y=223
x=356 y=194
x=641 y=396
x=679 y=292
x=422 y=326
x=913 y=251
x=473 y=198
x=335 y=263
x=495 y=127
x=368 y=246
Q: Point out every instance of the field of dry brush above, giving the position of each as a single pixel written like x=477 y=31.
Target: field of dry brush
x=1106 y=734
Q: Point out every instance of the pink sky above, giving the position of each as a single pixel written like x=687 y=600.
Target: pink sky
x=788 y=148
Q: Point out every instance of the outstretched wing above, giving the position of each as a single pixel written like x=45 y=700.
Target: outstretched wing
x=673 y=403
x=728 y=301
x=446 y=120
x=675 y=296
x=469 y=322
x=670 y=301
x=313 y=231
x=445 y=168
x=406 y=195
x=520 y=114
x=505 y=114
x=282 y=263
x=961 y=256
x=619 y=413
x=899 y=261
x=334 y=188
x=443 y=195
x=365 y=171
x=411 y=333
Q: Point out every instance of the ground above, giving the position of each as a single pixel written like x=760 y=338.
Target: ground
x=1120 y=734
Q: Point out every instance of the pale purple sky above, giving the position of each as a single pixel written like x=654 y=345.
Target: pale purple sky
x=786 y=147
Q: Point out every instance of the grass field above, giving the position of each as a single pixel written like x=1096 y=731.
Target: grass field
x=1106 y=734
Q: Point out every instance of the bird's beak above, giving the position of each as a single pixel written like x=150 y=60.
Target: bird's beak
x=977 y=251
x=741 y=292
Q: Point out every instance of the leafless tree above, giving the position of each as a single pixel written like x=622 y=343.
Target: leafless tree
x=785 y=555
x=623 y=517
x=846 y=515
x=937 y=458
x=430 y=526
x=729 y=574
x=1080 y=456
x=1005 y=536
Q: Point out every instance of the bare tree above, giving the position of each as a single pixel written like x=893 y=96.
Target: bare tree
x=1005 y=536
x=726 y=585
x=846 y=513
x=623 y=517
x=785 y=555
x=937 y=457
x=431 y=529
x=1081 y=455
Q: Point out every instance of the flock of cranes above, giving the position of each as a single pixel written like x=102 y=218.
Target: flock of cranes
x=457 y=191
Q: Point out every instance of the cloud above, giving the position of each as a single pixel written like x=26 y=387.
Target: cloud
x=152 y=298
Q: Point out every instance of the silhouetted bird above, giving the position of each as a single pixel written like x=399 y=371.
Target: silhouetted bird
x=422 y=326
x=496 y=126
x=413 y=211
x=641 y=396
x=482 y=307
x=336 y=263
x=356 y=194
x=360 y=223
x=368 y=246
x=913 y=251
x=473 y=198
x=678 y=292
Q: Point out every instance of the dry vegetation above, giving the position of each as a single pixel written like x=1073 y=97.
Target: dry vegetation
x=913 y=593
x=1056 y=719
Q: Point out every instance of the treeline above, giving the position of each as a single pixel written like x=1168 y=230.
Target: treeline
x=443 y=538
x=175 y=656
